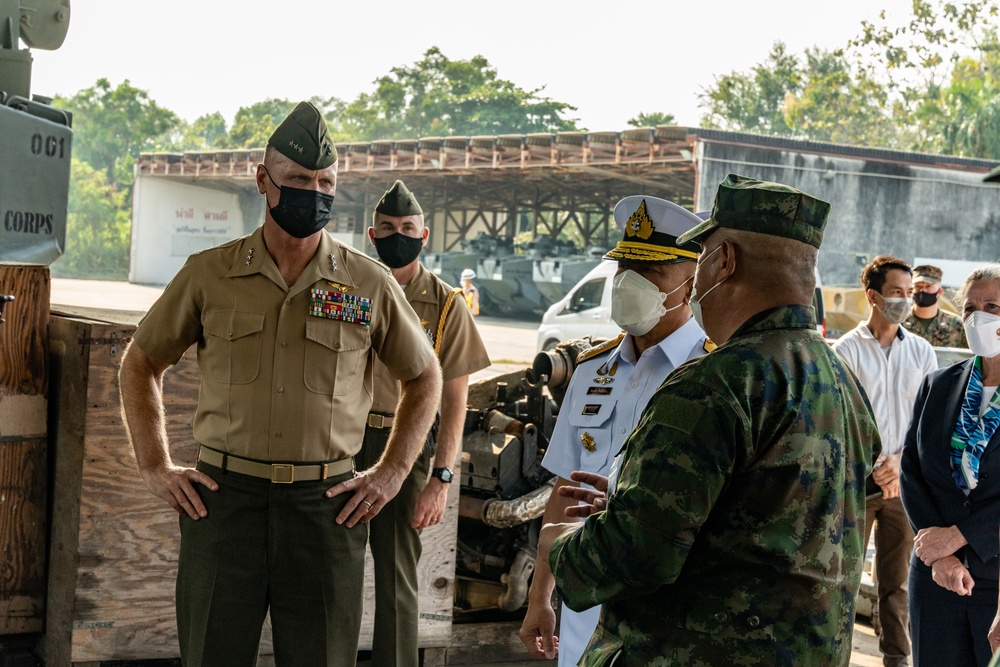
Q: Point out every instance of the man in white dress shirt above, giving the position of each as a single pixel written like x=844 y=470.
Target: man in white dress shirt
x=612 y=384
x=890 y=362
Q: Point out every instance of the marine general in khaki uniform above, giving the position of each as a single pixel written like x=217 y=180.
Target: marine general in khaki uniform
x=398 y=234
x=274 y=518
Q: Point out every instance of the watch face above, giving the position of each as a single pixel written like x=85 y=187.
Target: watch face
x=443 y=474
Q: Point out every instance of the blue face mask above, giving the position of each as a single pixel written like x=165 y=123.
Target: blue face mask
x=301 y=213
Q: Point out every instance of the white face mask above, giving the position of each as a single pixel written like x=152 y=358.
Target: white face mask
x=983 y=331
x=697 y=299
x=637 y=304
x=896 y=309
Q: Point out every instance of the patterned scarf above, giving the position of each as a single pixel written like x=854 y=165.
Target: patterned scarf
x=972 y=433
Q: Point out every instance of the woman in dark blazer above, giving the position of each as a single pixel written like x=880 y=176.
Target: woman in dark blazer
x=950 y=484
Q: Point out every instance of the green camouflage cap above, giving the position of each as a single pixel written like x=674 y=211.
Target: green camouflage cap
x=398 y=202
x=767 y=208
x=926 y=273
x=304 y=138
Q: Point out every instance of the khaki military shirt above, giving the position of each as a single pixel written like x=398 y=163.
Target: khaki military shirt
x=286 y=373
x=943 y=330
x=461 y=352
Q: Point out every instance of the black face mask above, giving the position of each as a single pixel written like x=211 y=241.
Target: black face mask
x=924 y=299
x=299 y=212
x=397 y=250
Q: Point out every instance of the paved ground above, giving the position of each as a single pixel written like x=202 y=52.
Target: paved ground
x=511 y=345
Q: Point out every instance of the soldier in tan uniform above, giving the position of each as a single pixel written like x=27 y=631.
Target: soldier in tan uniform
x=938 y=327
x=398 y=234
x=284 y=320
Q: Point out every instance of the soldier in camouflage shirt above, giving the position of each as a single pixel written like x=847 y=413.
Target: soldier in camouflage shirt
x=938 y=327
x=734 y=536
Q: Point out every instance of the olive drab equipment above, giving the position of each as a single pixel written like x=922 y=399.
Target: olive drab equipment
x=36 y=139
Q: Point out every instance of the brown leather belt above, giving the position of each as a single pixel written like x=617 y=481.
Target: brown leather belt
x=378 y=420
x=278 y=473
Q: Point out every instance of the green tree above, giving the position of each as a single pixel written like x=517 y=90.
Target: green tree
x=206 y=132
x=835 y=105
x=438 y=96
x=253 y=125
x=652 y=119
x=911 y=58
x=112 y=125
x=963 y=117
x=97 y=227
x=755 y=101
x=939 y=71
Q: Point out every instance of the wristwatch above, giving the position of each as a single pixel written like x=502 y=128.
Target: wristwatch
x=443 y=474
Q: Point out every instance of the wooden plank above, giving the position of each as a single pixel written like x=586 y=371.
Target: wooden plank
x=24 y=337
x=117 y=602
x=486 y=643
x=69 y=375
x=23 y=447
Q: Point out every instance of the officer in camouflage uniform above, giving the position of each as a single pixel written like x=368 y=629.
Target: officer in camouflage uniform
x=734 y=536
x=938 y=327
x=398 y=234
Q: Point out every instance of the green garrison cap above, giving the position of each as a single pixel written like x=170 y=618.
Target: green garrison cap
x=304 y=138
x=766 y=208
x=398 y=202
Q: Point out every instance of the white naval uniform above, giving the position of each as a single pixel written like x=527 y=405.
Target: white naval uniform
x=604 y=400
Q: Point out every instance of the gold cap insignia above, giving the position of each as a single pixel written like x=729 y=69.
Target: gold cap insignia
x=588 y=442
x=639 y=223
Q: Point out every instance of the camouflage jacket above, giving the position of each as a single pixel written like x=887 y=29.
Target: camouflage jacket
x=943 y=330
x=735 y=534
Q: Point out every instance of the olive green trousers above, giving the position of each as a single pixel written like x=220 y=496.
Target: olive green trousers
x=396 y=549
x=277 y=547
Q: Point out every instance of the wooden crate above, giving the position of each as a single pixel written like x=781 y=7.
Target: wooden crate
x=114 y=544
x=23 y=447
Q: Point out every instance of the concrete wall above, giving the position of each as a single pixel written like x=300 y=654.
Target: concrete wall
x=877 y=207
x=172 y=220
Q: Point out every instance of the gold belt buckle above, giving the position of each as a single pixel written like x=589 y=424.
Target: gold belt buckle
x=279 y=472
x=376 y=421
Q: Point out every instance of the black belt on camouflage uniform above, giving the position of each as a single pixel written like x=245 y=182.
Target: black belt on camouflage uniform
x=279 y=473
x=380 y=420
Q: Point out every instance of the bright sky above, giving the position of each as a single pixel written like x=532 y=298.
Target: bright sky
x=611 y=60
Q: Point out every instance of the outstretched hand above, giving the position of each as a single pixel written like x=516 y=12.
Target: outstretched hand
x=590 y=500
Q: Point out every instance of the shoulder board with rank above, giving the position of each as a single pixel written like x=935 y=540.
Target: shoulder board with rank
x=340 y=306
x=600 y=349
x=709 y=345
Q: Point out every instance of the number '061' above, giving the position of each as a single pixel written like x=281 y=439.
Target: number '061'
x=49 y=146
